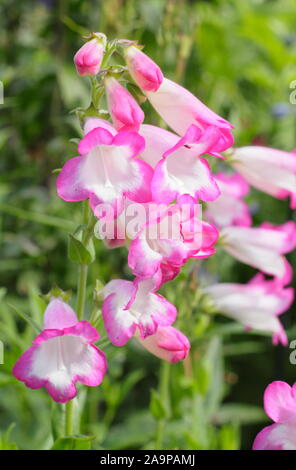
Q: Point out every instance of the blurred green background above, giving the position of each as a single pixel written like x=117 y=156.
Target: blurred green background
x=239 y=57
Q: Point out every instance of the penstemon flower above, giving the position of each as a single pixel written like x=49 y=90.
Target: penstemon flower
x=270 y=170
x=129 y=306
x=280 y=406
x=180 y=109
x=256 y=304
x=62 y=354
x=106 y=170
x=181 y=171
x=167 y=343
x=170 y=239
x=262 y=247
x=229 y=208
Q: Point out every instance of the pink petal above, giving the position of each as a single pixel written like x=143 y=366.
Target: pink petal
x=275 y=437
x=92 y=123
x=69 y=184
x=132 y=140
x=279 y=402
x=59 y=315
x=142 y=260
x=98 y=136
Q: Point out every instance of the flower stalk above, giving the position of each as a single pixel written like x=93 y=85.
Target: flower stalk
x=165 y=400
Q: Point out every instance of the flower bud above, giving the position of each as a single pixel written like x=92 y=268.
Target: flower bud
x=167 y=343
x=143 y=70
x=124 y=110
x=89 y=57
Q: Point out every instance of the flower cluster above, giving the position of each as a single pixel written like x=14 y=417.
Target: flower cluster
x=124 y=164
x=145 y=185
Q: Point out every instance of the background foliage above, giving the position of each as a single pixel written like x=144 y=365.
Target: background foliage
x=239 y=58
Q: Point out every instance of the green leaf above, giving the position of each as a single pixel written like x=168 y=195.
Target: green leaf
x=37 y=217
x=133 y=378
x=4 y=440
x=239 y=412
x=26 y=317
x=134 y=432
x=157 y=408
x=202 y=377
x=229 y=437
x=77 y=252
x=73 y=90
x=73 y=443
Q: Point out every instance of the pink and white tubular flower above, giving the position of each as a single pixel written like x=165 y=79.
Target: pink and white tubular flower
x=280 y=406
x=106 y=170
x=229 y=208
x=125 y=112
x=262 y=247
x=119 y=232
x=128 y=223
x=129 y=306
x=167 y=343
x=62 y=354
x=89 y=57
x=170 y=240
x=143 y=70
x=257 y=304
x=270 y=170
x=178 y=167
x=180 y=109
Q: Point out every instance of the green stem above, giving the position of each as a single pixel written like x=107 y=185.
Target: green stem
x=81 y=291
x=108 y=55
x=165 y=399
x=88 y=220
x=69 y=418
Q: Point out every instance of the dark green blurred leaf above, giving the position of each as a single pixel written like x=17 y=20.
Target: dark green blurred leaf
x=77 y=252
x=157 y=407
x=73 y=443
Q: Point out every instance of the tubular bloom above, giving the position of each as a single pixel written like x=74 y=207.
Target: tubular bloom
x=143 y=70
x=270 y=170
x=167 y=343
x=89 y=57
x=280 y=406
x=178 y=166
x=124 y=110
x=263 y=247
x=129 y=306
x=256 y=304
x=62 y=354
x=170 y=240
x=229 y=208
x=106 y=170
x=180 y=109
